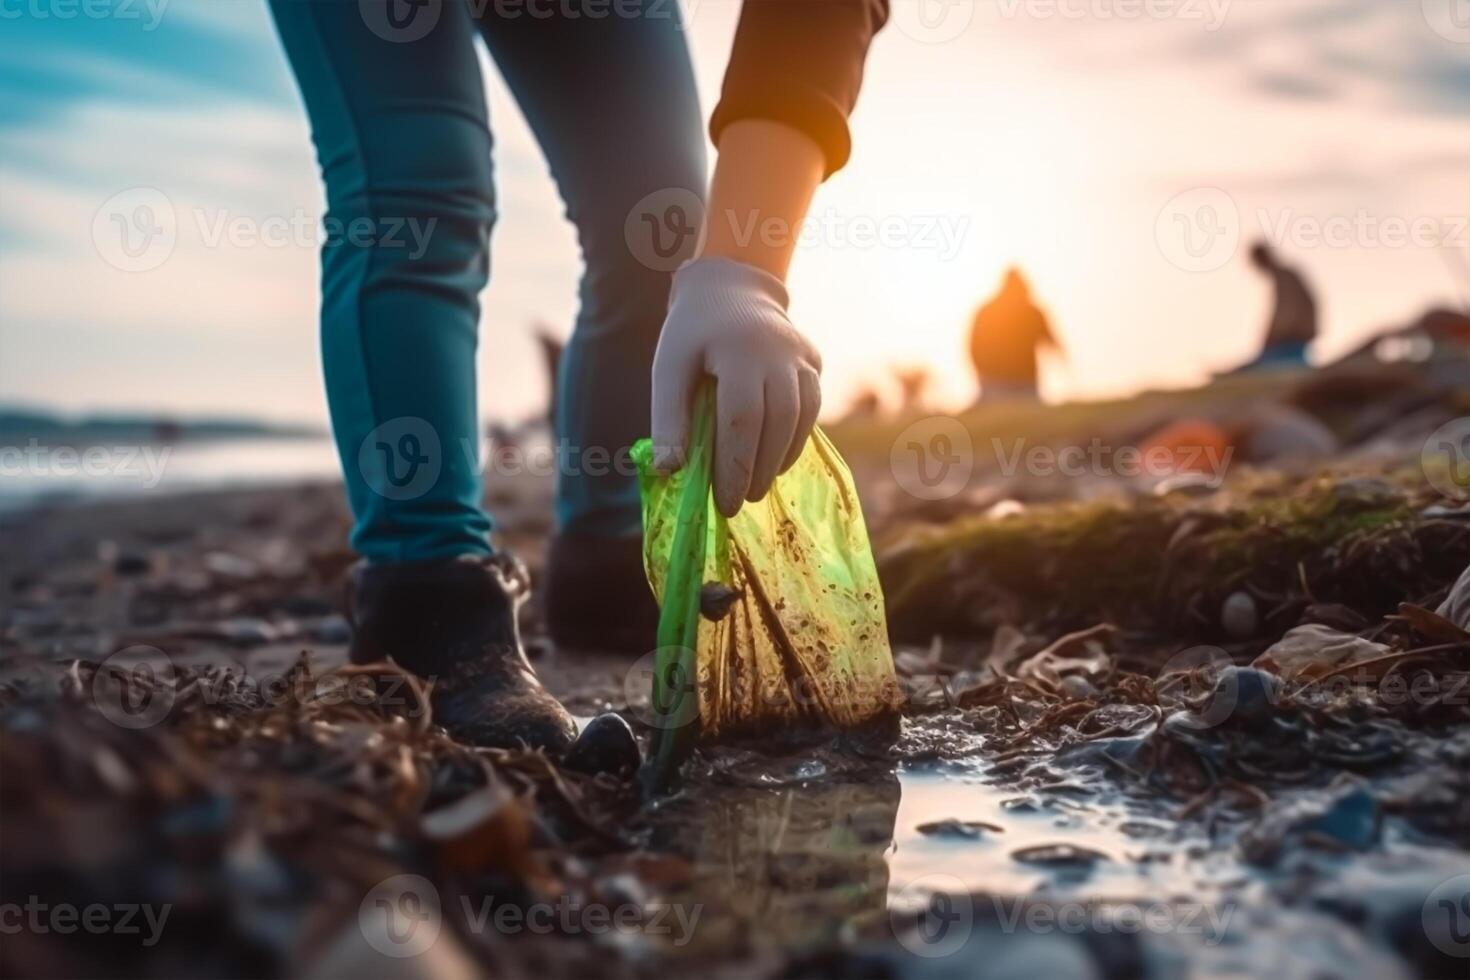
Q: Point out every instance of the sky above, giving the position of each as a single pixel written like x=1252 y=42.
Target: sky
x=1123 y=153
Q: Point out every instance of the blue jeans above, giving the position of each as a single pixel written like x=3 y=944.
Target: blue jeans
x=397 y=107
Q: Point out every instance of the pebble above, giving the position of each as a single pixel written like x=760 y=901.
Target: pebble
x=605 y=745
x=246 y=631
x=130 y=563
x=1246 y=695
x=1059 y=855
x=331 y=629
x=965 y=829
x=1238 y=616
x=1079 y=687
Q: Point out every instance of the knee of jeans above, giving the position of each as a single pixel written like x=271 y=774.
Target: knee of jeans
x=411 y=225
x=632 y=247
x=408 y=203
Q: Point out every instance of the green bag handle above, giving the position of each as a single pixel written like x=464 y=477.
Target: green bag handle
x=675 y=700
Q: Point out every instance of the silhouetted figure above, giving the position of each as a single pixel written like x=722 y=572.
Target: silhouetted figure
x=1293 y=322
x=1003 y=341
x=865 y=405
x=913 y=382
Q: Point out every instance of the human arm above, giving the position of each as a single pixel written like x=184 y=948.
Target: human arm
x=779 y=133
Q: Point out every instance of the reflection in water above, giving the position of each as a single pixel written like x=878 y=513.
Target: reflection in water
x=1077 y=843
x=790 y=865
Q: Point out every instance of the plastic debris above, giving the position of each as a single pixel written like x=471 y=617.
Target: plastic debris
x=804 y=638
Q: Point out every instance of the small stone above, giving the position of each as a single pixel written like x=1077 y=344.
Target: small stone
x=605 y=745
x=965 y=829
x=1188 y=484
x=716 y=599
x=1078 y=687
x=810 y=769
x=1238 y=616
x=130 y=563
x=1246 y=695
x=332 y=629
x=1059 y=856
x=246 y=631
x=228 y=566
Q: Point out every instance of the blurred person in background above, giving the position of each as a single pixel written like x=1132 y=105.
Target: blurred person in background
x=1004 y=339
x=398 y=114
x=1293 y=323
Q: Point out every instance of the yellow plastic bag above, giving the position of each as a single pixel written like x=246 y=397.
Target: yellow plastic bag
x=805 y=638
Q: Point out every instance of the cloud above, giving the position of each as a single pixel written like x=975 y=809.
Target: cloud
x=1341 y=49
x=193 y=51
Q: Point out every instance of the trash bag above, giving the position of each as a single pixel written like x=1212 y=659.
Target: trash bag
x=793 y=627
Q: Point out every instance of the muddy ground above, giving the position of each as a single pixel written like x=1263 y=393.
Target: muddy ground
x=1210 y=727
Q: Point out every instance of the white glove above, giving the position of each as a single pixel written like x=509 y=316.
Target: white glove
x=728 y=319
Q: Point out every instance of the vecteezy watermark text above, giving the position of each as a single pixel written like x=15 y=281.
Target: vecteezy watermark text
x=1100 y=459
x=938 y=233
x=138 y=230
x=935 y=457
x=1364 y=229
x=1095 y=916
x=64 y=919
x=1201 y=229
x=142 y=464
x=1209 y=13
x=149 y=12
x=570 y=916
x=402 y=916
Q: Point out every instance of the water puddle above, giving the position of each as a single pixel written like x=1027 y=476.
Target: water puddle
x=957 y=830
x=819 y=851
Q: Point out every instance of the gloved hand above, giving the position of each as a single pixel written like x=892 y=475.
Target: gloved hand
x=728 y=319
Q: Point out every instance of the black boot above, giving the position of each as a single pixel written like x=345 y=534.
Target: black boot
x=597 y=595
x=453 y=622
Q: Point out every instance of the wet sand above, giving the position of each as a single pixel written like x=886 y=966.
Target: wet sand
x=1078 y=824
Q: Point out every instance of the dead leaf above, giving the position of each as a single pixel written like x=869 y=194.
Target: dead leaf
x=1432 y=624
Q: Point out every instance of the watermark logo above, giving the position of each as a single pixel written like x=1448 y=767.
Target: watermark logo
x=672 y=704
x=569 y=916
x=401 y=459
x=1446 y=459
x=150 y=12
x=142 y=465
x=1450 y=19
x=932 y=21
x=942 y=234
x=664 y=229
x=1199 y=230
x=134 y=688
x=1100 y=459
x=933 y=458
x=1199 y=679
x=933 y=915
x=96 y=919
x=400 y=917
x=1446 y=916
x=1210 y=923
x=136 y=230
x=1364 y=229
x=1210 y=13
x=401 y=21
